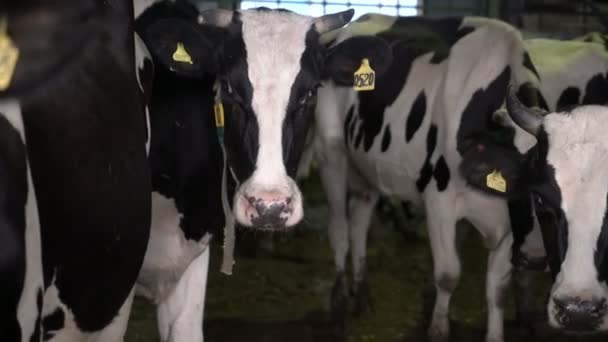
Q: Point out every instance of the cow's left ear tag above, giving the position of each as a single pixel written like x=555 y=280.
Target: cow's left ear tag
x=218 y=109
x=495 y=181
x=181 y=55
x=9 y=54
x=365 y=77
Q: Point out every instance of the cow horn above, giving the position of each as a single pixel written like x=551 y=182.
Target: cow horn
x=528 y=119
x=330 y=22
x=218 y=17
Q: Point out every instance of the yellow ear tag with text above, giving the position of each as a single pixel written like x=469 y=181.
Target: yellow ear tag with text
x=181 y=55
x=218 y=109
x=495 y=181
x=365 y=77
x=9 y=54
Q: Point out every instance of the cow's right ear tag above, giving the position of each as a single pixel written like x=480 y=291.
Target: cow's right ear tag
x=181 y=55
x=9 y=54
x=365 y=77
x=495 y=181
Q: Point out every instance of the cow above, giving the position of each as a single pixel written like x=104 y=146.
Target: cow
x=263 y=67
x=562 y=175
x=82 y=134
x=406 y=138
x=20 y=256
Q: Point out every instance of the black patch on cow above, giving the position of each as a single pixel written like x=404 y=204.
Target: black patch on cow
x=441 y=174
x=426 y=173
x=386 y=139
x=596 y=90
x=13 y=196
x=302 y=102
x=477 y=115
x=531 y=96
x=414 y=120
x=53 y=322
x=601 y=251
x=38 y=325
x=409 y=37
x=571 y=96
x=522 y=223
x=348 y=124
x=529 y=65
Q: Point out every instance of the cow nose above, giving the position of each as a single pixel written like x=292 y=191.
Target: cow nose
x=576 y=314
x=271 y=211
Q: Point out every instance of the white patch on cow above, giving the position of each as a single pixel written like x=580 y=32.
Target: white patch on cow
x=578 y=149
x=27 y=309
x=169 y=252
x=174 y=274
x=274 y=42
x=180 y=315
x=141 y=54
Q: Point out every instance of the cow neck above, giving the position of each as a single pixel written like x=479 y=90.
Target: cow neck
x=229 y=234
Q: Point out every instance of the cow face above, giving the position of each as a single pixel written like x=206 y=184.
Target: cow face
x=565 y=176
x=268 y=65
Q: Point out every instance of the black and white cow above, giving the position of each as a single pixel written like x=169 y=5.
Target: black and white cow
x=407 y=137
x=85 y=131
x=563 y=175
x=266 y=66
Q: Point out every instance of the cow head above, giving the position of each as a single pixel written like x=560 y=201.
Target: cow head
x=565 y=175
x=268 y=65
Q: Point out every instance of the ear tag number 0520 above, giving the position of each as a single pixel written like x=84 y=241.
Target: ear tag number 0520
x=495 y=181
x=365 y=77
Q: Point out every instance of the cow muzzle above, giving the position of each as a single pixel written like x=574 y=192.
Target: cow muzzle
x=268 y=208
x=578 y=314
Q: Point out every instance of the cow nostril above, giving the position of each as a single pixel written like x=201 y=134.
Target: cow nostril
x=288 y=200
x=252 y=200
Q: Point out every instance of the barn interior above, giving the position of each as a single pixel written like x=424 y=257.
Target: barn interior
x=281 y=285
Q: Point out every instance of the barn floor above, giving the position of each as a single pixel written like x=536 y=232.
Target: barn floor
x=280 y=289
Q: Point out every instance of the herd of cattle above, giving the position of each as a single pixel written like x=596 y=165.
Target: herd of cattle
x=134 y=131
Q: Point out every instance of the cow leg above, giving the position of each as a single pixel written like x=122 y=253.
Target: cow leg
x=333 y=170
x=180 y=315
x=498 y=278
x=446 y=262
x=491 y=218
x=360 y=208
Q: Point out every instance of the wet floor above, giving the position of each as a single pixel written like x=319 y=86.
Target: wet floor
x=280 y=289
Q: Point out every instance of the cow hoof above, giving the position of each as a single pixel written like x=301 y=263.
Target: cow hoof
x=363 y=299
x=339 y=299
x=491 y=338
x=439 y=331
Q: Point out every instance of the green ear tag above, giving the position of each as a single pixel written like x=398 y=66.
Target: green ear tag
x=218 y=110
x=495 y=181
x=365 y=77
x=181 y=55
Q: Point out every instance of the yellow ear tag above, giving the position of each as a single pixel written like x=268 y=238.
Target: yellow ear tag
x=181 y=55
x=218 y=109
x=495 y=181
x=9 y=54
x=365 y=77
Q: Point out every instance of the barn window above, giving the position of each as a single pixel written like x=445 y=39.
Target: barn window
x=320 y=7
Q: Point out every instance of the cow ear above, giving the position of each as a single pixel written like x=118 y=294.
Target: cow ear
x=184 y=46
x=344 y=59
x=492 y=167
